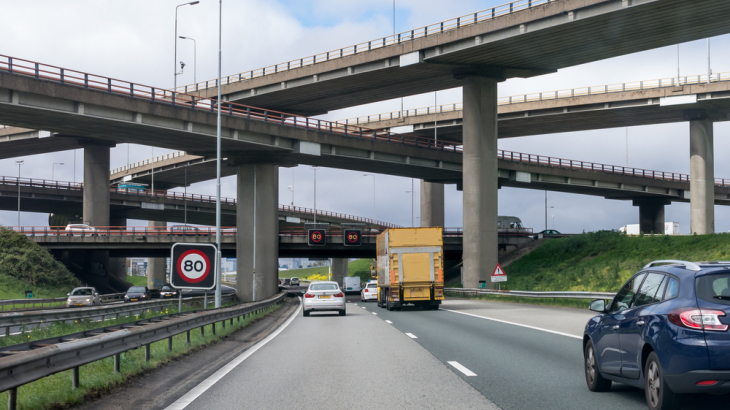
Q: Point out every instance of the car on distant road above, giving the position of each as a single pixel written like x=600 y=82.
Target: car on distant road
x=324 y=296
x=287 y=281
x=369 y=292
x=85 y=296
x=665 y=331
x=137 y=294
x=168 y=292
x=547 y=232
x=80 y=230
x=185 y=230
x=294 y=281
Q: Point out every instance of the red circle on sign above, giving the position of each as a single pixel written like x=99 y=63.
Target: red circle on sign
x=317 y=236
x=181 y=271
x=352 y=237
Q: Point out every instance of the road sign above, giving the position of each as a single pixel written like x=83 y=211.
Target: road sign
x=498 y=275
x=193 y=266
x=352 y=237
x=317 y=237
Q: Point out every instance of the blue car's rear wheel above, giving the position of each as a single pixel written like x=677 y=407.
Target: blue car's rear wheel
x=595 y=381
x=658 y=395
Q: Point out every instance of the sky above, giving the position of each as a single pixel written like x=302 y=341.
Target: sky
x=133 y=41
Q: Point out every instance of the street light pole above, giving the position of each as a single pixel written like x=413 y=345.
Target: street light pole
x=372 y=175
x=218 y=167
x=19 y=162
x=174 y=66
x=185 y=195
x=53 y=169
x=412 y=192
x=546 y=211
x=315 y=193
x=291 y=189
x=195 y=58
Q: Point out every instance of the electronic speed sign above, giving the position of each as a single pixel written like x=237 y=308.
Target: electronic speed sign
x=317 y=237
x=352 y=237
x=193 y=266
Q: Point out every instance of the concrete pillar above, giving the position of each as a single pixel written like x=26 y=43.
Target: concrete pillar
x=156 y=267
x=118 y=266
x=96 y=185
x=480 y=179
x=261 y=181
x=432 y=204
x=651 y=214
x=702 y=176
x=339 y=269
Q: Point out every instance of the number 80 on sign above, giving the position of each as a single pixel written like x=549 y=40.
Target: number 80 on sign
x=193 y=266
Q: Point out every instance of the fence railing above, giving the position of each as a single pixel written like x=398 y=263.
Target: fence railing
x=32 y=361
x=163 y=157
x=395 y=39
x=529 y=294
x=546 y=96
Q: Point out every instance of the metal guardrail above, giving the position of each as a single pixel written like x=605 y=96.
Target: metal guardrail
x=36 y=317
x=33 y=361
x=531 y=294
x=50 y=301
x=546 y=96
x=395 y=39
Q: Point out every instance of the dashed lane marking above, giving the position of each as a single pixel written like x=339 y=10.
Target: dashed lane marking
x=462 y=369
x=375 y=313
x=516 y=324
x=388 y=322
x=411 y=335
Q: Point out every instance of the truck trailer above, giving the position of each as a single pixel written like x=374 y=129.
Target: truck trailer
x=410 y=267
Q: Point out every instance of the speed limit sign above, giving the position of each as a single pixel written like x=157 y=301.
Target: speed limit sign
x=193 y=266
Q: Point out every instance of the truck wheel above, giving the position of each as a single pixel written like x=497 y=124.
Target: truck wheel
x=435 y=306
x=388 y=306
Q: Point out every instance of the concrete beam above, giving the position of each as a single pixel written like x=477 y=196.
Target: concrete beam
x=651 y=214
x=156 y=267
x=257 y=222
x=702 y=176
x=96 y=184
x=432 y=204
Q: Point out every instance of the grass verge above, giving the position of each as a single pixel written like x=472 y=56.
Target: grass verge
x=137 y=280
x=98 y=377
x=570 y=303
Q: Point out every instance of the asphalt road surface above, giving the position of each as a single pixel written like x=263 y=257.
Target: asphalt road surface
x=469 y=354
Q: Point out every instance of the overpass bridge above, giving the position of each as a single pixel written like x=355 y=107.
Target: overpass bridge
x=103 y=111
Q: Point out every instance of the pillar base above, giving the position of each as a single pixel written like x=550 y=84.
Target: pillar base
x=651 y=214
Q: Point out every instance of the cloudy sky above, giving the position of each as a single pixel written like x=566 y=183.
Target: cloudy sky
x=133 y=40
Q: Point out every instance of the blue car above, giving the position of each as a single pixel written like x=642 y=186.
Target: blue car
x=666 y=332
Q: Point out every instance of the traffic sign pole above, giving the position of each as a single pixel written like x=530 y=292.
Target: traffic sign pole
x=179 y=301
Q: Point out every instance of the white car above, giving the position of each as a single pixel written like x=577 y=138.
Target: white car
x=83 y=297
x=370 y=292
x=80 y=229
x=324 y=296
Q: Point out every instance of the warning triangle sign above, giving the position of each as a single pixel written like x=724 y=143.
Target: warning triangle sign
x=498 y=271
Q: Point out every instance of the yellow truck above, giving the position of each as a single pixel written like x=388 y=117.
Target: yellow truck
x=410 y=267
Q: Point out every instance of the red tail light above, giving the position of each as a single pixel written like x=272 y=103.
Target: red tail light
x=308 y=295
x=698 y=319
x=707 y=383
x=339 y=295
x=366 y=289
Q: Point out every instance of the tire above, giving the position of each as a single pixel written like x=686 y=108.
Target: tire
x=658 y=395
x=595 y=381
x=388 y=306
x=306 y=313
x=343 y=312
x=435 y=306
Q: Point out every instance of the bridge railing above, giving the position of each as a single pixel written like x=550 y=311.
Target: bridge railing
x=149 y=161
x=547 y=95
x=395 y=39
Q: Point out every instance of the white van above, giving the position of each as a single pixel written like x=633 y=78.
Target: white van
x=351 y=284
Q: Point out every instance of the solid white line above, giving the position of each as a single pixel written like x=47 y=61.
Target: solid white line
x=375 y=313
x=389 y=322
x=462 y=369
x=516 y=324
x=193 y=394
x=411 y=335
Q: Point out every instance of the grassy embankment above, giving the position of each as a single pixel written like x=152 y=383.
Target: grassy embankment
x=137 y=280
x=359 y=267
x=25 y=265
x=603 y=261
x=98 y=377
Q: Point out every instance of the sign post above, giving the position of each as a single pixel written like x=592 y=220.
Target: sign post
x=193 y=266
x=498 y=275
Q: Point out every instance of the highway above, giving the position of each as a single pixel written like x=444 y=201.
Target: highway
x=522 y=357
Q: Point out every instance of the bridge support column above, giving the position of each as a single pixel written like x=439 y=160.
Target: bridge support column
x=96 y=205
x=339 y=269
x=651 y=214
x=702 y=176
x=480 y=178
x=118 y=266
x=156 y=267
x=257 y=219
x=432 y=204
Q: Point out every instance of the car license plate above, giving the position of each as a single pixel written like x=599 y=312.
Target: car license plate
x=134 y=300
x=78 y=304
x=324 y=297
x=349 y=288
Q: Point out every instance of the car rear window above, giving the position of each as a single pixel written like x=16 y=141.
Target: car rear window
x=323 y=286
x=82 y=292
x=372 y=285
x=136 y=289
x=714 y=288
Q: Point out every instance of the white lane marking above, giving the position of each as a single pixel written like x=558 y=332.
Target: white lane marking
x=462 y=369
x=389 y=322
x=375 y=313
x=411 y=335
x=515 y=324
x=363 y=307
x=206 y=384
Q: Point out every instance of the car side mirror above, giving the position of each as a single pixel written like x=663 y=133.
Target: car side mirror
x=68 y=294
x=598 y=305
